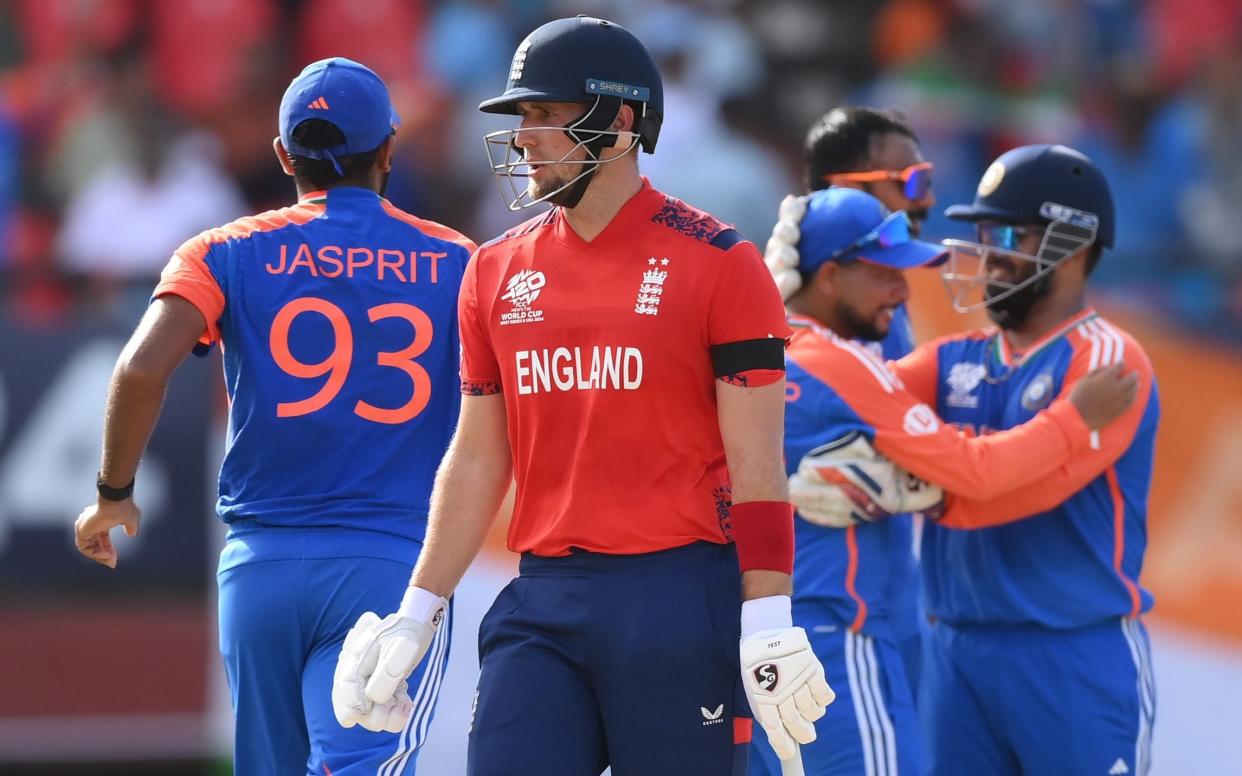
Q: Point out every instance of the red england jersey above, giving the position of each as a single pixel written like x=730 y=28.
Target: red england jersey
x=603 y=352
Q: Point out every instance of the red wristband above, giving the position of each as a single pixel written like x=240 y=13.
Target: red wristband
x=764 y=534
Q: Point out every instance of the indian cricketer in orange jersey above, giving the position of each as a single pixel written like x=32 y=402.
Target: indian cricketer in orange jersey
x=337 y=317
x=1035 y=592
x=841 y=269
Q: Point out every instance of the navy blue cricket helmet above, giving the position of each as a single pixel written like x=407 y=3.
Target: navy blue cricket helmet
x=1024 y=186
x=1049 y=185
x=583 y=59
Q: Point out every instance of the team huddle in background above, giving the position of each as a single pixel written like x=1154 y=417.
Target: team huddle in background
x=761 y=530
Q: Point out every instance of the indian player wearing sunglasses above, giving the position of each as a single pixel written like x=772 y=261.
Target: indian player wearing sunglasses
x=842 y=403
x=916 y=179
x=1036 y=592
x=876 y=151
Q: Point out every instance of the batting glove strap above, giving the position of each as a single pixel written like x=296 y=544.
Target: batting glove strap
x=422 y=606
x=786 y=686
x=772 y=612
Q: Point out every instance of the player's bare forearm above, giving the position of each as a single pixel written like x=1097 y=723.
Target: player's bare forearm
x=760 y=583
x=134 y=400
x=161 y=342
x=470 y=486
x=752 y=429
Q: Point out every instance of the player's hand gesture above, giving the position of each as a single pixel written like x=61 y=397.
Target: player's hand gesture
x=786 y=687
x=1102 y=395
x=369 y=687
x=91 y=529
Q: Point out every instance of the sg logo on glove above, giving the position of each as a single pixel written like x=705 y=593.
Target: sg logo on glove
x=786 y=687
x=767 y=676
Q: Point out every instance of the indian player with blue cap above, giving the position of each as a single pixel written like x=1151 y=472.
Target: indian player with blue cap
x=337 y=317
x=346 y=94
x=876 y=150
x=839 y=258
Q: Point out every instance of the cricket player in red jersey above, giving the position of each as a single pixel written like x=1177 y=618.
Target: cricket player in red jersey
x=623 y=359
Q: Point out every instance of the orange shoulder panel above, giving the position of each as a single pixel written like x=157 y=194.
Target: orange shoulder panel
x=187 y=275
x=430 y=228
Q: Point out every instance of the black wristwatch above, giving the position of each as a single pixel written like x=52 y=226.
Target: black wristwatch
x=109 y=493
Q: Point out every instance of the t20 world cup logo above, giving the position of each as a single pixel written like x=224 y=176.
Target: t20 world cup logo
x=523 y=288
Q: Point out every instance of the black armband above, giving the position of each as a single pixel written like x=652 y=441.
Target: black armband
x=733 y=358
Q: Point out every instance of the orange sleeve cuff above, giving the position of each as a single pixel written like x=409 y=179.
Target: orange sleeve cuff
x=206 y=297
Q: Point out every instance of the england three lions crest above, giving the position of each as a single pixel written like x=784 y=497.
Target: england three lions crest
x=652 y=289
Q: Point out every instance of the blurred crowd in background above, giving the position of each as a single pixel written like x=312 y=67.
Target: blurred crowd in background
x=127 y=126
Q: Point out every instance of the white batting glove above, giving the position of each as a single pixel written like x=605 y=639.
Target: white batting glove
x=784 y=679
x=369 y=687
x=349 y=703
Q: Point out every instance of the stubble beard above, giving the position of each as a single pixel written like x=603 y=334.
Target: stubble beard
x=538 y=190
x=860 y=327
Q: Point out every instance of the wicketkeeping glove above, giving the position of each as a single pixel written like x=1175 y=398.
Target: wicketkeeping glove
x=846 y=482
x=785 y=683
x=369 y=687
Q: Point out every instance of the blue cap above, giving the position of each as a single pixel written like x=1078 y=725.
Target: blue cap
x=848 y=225
x=344 y=93
x=1037 y=184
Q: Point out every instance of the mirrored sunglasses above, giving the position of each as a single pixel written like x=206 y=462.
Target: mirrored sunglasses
x=916 y=179
x=1005 y=236
x=893 y=230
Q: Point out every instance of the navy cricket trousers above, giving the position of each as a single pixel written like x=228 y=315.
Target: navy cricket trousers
x=593 y=660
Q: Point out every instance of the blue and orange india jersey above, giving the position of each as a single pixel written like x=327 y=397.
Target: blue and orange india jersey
x=901 y=594
x=337 y=319
x=834 y=387
x=1066 y=550
x=603 y=352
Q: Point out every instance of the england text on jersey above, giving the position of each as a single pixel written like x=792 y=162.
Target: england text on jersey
x=605 y=367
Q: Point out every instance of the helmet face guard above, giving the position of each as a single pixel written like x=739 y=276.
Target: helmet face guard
x=1051 y=190
x=589 y=133
x=965 y=274
x=584 y=60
